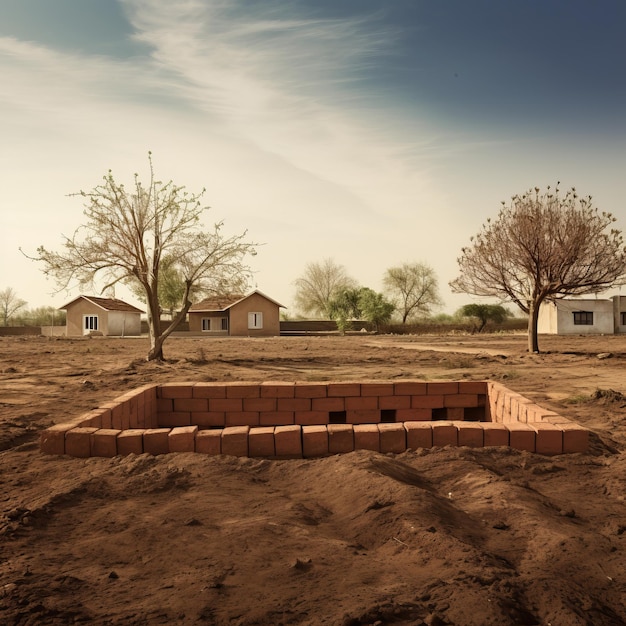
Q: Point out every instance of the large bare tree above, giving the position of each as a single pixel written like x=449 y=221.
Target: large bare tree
x=319 y=284
x=413 y=288
x=543 y=245
x=128 y=234
x=10 y=304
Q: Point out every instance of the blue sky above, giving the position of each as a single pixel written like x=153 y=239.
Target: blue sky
x=374 y=132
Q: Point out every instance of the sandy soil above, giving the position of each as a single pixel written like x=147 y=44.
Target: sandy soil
x=442 y=536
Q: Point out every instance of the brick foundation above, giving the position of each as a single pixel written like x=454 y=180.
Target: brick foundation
x=296 y=420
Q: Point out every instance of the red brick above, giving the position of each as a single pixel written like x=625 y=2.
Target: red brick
x=314 y=441
x=164 y=405
x=209 y=441
x=495 y=434
x=293 y=404
x=549 y=438
x=209 y=390
x=418 y=435
x=106 y=417
x=410 y=388
x=242 y=418
x=92 y=418
x=575 y=437
x=52 y=440
x=444 y=434
x=175 y=390
x=521 y=436
x=155 y=441
x=130 y=441
x=183 y=439
x=242 y=390
x=225 y=404
x=259 y=404
x=288 y=441
x=358 y=404
x=210 y=418
x=277 y=390
x=235 y=440
x=340 y=438
x=394 y=402
x=311 y=417
x=366 y=437
x=455 y=414
x=460 y=400
x=343 y=390
x=392 y=438
x=470 y=434
x=427 y=402
x=171 y=420
x=478 y=387
x=191 y=404
x=78 y=441
x=377 y=389
x=363 y=416
x=310 y=390
x=117 y=411
x=104 y=442
x=442 y=388
x=261 y=442
x=328 y=404
x=276 y=418
x=414 y=415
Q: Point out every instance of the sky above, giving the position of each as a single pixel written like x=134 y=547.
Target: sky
x=372 y=132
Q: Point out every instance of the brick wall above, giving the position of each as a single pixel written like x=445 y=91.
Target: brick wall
x=304 y=419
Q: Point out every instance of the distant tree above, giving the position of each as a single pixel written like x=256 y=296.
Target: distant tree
x=485 y=313
x=543 y=245
x=10 y=304
x=374 y=307
x=344 y=307
x=128 y=235
x=41 y=316
x=413 y=288
x=319 y=284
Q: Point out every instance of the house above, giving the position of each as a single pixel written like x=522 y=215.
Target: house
x=254 y=315
x=88 y=315
x=580 y=316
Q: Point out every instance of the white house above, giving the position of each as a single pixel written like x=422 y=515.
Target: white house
x=583 y=316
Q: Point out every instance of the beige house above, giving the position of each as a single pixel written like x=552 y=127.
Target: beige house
x=254 y=315
x=583 y=316
x=87 y=315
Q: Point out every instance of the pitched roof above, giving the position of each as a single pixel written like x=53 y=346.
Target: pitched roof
x=108 y=304
x=222 y=303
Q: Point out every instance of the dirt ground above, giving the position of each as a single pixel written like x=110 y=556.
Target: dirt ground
x=440 y=536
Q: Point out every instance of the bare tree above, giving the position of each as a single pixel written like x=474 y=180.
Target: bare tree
x=543 y=245
x=413 y=288
x=319 y=284
x=127 y=236
x=10 y=304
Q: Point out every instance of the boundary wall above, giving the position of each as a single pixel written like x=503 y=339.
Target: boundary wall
x=304 y=419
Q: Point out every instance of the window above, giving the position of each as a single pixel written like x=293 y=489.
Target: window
x=255 y=320
x=583 y=318
x=214 y=323
x=91 y=323
x=622 y=316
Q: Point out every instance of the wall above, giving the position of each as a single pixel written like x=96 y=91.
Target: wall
x=558 y=318
x=295 y=420
x=257 y=304
x=619 y=305
x=75 y=315
x=123 y=323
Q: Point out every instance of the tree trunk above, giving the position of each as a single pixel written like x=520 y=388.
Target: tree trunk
x=533 y=318
x=154 y=328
